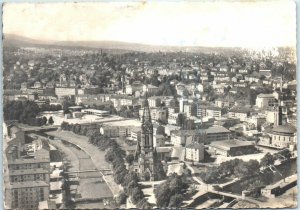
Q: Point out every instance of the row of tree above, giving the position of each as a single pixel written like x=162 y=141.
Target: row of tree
x=25 y=112
x=128 y=179
x=50 y=107
x=40 y=121
x=22 y=111
x=84 y=130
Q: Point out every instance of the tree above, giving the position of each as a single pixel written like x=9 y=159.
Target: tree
x=38 y=122
x=121 y=198
x=163 y=195
x=130 y=159
x=130 y=187
x=283 y=154
x=136 y=195
x=253 y=166
x=44 y=121
x=143 y=204
x=77 y=128
x=64 y=125
x=175 y=200
x=50 y=120
x=267 y=160
x=262 y=77
x=83 y=130
x=180 y=119
x=129 y=177
x=211 y=175
x=109 y=155
x=160 y=172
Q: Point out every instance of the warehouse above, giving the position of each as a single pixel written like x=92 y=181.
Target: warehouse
x=232 y=147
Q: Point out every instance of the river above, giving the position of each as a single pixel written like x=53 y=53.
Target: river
x=88 y=189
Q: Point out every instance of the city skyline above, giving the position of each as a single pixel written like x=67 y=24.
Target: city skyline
x=224 y=23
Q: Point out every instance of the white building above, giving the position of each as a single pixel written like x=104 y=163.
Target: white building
x=266 y=100
x=194 y=152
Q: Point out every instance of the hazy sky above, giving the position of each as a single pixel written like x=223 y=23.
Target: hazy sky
x=221 y=23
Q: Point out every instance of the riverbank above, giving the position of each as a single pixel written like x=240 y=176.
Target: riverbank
x=97 y=156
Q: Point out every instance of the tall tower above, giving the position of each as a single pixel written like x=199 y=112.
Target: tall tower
x=146 y=153
x=123 y=82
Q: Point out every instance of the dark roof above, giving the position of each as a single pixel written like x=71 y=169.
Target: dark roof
x=240 y=110
x=284 y=129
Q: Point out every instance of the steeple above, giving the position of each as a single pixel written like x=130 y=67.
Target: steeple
x=146 y=114
x=137 y=151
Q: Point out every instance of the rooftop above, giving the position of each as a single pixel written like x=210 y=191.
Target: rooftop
x=75 y=107
x=124 y=122
x=28 y=171
x=95 y=111
x=217 y=129
x=29 y=160
x=284 y=129
x=195 y=146
x=163 y=149
x=262 y=95
x=240 y=109
x=28 y=184
x=228 y=144
x=56 y=185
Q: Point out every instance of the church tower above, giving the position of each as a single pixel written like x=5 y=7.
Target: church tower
x=145 y=154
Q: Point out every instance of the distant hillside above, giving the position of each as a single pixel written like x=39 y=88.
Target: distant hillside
x=19 y=41
x=122 y=47
x=16 y=40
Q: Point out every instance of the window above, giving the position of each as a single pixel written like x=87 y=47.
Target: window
x=146 y=140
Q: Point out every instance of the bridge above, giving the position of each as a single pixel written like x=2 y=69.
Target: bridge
x=90 y=170
x=210 y=189
x=239 y=197
x=41 y=128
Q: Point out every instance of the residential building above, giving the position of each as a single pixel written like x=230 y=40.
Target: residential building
x=26 y=172
x=190 y=109
x=239 y=112
x=217 y=133
x=266 y=100
x=154 y=101
x=150 y=89
x=194 y=152
x=221 y=102
x=62 y=92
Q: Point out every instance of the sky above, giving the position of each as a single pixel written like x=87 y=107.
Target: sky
x=247 y=23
